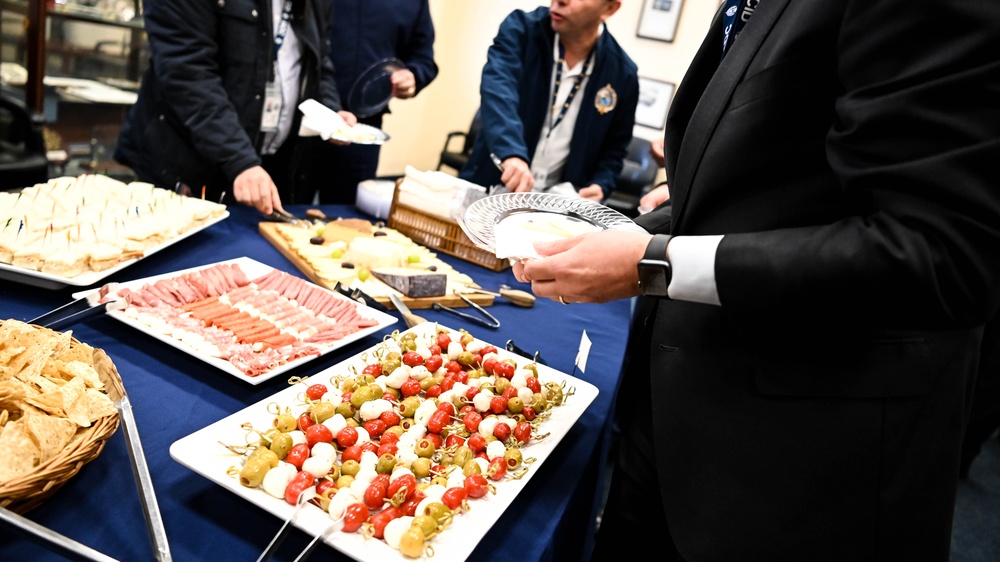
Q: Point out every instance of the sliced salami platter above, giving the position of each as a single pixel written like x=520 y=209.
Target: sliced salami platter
x=246 y=318
x=411 y=449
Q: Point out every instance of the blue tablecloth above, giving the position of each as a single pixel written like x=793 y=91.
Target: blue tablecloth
x=174 y=394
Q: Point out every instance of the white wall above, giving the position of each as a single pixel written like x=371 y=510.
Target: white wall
x=465 y=30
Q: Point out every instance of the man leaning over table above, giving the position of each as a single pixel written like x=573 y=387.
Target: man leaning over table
x=800 y=369
x=218 y=106
x=558 y=99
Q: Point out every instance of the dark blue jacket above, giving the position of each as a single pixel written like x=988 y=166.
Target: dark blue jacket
x=367 y=31
x=197 y=119
x=515 y=91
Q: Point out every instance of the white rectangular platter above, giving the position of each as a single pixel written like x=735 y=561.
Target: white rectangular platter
x=253 y=270
x=88 y=278
x=202 y=452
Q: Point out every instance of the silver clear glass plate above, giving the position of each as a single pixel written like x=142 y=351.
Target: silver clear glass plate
x=481 y=218
x=372 y=91
x=361 y=134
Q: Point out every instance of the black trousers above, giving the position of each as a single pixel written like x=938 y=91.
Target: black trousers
x=334 y=171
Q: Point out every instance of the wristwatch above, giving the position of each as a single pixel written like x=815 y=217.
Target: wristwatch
x=654 y=269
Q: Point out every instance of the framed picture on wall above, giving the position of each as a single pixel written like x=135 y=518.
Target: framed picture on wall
x=654 y=101
x=658 y=19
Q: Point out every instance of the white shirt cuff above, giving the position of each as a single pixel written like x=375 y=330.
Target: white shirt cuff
x=692 y=261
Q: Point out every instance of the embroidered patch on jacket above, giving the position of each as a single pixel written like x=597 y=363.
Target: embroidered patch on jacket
x=606 y=99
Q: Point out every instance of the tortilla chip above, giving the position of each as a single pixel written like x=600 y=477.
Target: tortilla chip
x=77 y=352
x=84 y=371
x=50 y=434
x=99 y=405
x=49 y=402
x=18 y=453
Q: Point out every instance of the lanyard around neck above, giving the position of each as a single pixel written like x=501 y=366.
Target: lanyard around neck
x=279 y=37
x=572 y=93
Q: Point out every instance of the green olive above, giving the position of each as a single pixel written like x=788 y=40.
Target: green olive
x=466 y=338
x=476 y=373
x=501 y=385
x=395 y=392
x=253 y=472
x=421 y=467
x=344 y=481
x=513 y=458
x=466 y=358
x=390 y=365
x=471 y=467
x=394 y=429
x=365 y=394
x=350 y=468
x=385 y=464
x=515 y=405
x=322 y=411
x=281 y=444
x=345 y=409
x=440 y=480
x=539 y=403
x=438 y=511
x=424 y=448
x=334 y=472
x=461 y=455
x=425 y=523
x=265 y=455
x=406 y=423
x=285 y=423
x=411 y=544
x=409 y=406
x=348 y=385
x=533 y=368
x=554 y=393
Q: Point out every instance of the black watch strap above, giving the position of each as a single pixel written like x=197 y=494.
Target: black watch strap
x=654 y=268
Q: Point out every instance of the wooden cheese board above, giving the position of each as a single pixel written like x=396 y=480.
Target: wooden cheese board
x=270 y=232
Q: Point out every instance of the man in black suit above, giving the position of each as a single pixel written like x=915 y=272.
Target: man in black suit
x=800 y=371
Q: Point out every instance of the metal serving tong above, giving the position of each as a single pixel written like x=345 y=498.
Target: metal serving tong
x=81 y=309
x=50 y=539
x=360 y=296
x=285 y=216
x=486 y=319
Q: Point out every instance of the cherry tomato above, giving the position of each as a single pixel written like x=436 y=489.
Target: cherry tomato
x=443 y=340
x=472 y=420
x=509 y=392
x=528 y=412
x=453 y=366
x=375 y=496
x=447 y=407
x=504 y=369
x=490 y=365
x=435 y=349
x=374 y=369
x=390 y=437
x=404 y=486
x=433 y=363
x=498 y=404
x=471 y=393
x=522 y=432
x=501 y=431
x=356 y=514
x=412 y=359
x=371 y=446
x=532 y=383
x=454 y=497
x=389 y=397
x=498 y=468
x=466 y=409
x=305 y=420
x=476 y=485
x=325 y=484
x=453 y=440
x=381 y=519
x=435 y=439
x=410 y=387
x=433 y=391
x=462 y=377
x=390 y=418
x=296 y=487
x=375 y=427
x=316 y=391
x=488 y=348
x=387 y=448
x=318 y=433
x=477 y=358
x=347 y=436
x=297 y=455
x=477 y=442
x=437 y=421
x=352 y=453
x=409 y=507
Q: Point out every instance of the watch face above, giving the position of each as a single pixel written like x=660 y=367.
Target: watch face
x=654 y=277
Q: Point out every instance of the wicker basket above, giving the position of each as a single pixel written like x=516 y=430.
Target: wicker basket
x=27 y=492
x=440 y=234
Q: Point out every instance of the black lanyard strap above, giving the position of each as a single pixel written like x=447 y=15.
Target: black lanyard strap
x=572 y=93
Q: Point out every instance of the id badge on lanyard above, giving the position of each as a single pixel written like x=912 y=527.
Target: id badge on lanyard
x=273 y=100
x=272 y=107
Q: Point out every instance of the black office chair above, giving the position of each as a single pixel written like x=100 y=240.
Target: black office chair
x=23 y=162
x=636 y=178
x=457 y=159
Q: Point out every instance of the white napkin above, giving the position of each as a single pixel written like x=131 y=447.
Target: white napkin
x=318 y=119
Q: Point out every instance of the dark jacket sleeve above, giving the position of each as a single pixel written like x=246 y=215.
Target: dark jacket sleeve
x=184 y=38
x=418 y=52
x=327 y=92
x=502 y=129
